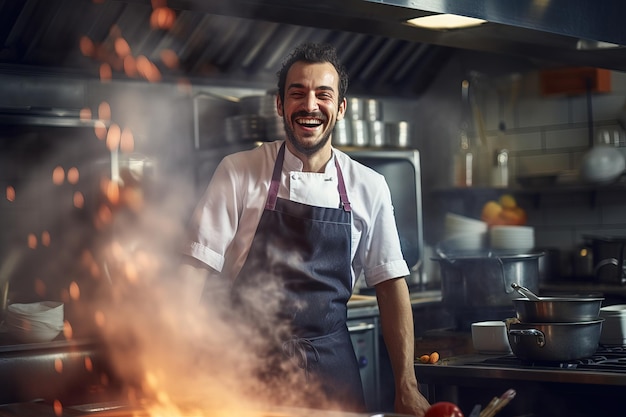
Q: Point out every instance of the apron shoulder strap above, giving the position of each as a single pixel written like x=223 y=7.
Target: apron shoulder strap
x=272 y=195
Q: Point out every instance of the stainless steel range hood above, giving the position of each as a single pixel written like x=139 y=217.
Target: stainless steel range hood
x=550 y=32
x=242 y=41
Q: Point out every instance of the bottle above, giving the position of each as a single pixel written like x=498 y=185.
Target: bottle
x=464 y=163
x=500 y=173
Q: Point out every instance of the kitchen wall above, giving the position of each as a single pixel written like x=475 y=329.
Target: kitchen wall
x=544 y=134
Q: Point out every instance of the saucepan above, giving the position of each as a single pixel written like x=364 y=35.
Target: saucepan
x=535 y=309
x=554 y=342
x=558 y=309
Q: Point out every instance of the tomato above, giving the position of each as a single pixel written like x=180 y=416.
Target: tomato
x=443 y=409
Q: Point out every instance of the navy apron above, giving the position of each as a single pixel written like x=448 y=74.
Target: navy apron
x=293 y=288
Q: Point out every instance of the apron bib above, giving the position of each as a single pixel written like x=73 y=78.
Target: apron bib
x=293 y=289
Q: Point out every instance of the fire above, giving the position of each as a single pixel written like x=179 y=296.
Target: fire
x=121 y=47
x=58 y=365
x=104 y=111
x=106 y=73
x=45 y=238
x=78 y=200
x=32 y=241
x=10 y=193
x=100 y=129
x=127 y=140
x=58 y=175
x=113 y=137
x=74 y=291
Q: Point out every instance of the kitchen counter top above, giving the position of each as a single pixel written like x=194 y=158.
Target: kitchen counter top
x=469 y=366
x=417 y=298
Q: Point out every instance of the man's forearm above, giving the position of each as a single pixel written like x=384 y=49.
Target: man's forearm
x=397 y=326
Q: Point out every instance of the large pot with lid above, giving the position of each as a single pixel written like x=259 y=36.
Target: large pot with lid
x=483 y=281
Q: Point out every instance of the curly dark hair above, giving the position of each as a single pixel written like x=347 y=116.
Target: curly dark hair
x=313 y=53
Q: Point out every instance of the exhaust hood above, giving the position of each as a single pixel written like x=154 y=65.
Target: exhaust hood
x=242 y=41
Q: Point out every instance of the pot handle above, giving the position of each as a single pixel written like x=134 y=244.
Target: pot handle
x=538 y=334
x=604 y=262
x=507 y=285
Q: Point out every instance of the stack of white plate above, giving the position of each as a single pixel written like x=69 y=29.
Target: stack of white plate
x=614 y=326
x=463 y=233
x=512 y=239
x=35 y=322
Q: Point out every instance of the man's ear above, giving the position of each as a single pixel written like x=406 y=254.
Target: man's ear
x=342 y=109
x=279 y=106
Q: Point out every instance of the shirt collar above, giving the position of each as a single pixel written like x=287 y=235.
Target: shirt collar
x=293 y=163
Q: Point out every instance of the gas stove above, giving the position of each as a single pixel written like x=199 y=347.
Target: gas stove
x=605 y=359
x=579 y=388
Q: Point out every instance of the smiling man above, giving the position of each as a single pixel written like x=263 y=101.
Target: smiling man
x=287 y=229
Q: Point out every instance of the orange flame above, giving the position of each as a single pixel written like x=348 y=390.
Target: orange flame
x=58 y=175
x=85 y=114
x=87 y=48
x=45 y=238
x=127 y=141
x=58 y=365
x=74 y=291
x=104 y=111
x=113 y=137
x=122 y=49
x=10 y=192
x=106 y=73
x=78 y=200
x=100 y=130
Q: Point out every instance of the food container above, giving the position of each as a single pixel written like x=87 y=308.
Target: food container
x=558 y=309
x=554 y=342
x=490 y=337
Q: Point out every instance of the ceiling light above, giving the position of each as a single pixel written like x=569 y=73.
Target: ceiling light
x=445 y=21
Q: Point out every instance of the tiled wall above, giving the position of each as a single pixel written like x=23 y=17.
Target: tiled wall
x=543 y=134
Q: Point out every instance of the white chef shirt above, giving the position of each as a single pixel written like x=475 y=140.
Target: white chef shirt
x=225 y=220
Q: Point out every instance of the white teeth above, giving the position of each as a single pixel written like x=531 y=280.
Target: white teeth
x=309 y=121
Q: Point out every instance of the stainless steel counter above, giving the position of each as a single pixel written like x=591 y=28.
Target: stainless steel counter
x=468 y=366
x=541 y=391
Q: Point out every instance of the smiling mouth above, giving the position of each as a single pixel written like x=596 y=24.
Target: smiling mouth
x=309 y=122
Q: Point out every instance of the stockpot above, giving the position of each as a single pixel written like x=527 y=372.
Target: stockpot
x=554 y=342
x=484 y=280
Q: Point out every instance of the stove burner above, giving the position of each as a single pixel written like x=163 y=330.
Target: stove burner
x=606 y=358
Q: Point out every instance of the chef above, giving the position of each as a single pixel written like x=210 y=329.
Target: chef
x=290 y=226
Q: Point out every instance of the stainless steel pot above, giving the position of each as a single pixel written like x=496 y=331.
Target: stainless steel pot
x=485 y=281
x=557 y=309
x=554 y=342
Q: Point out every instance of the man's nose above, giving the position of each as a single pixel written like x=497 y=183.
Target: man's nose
x=310 y=103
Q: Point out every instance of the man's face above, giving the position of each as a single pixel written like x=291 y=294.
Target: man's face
x=311 y=106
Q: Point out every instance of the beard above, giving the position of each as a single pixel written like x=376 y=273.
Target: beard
x=302 y=148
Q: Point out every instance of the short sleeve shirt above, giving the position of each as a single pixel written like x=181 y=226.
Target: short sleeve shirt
x=225 y=220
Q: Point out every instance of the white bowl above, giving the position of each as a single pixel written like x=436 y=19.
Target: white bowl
x=465 y=242
x=456 y=223
x=617 y=310
x=520 y=238
x=490 y=337
x=35 y=322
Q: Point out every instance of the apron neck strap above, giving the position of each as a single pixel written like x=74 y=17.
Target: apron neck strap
x=276 y=174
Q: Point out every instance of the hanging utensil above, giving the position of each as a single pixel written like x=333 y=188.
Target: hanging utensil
x=525 y=292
